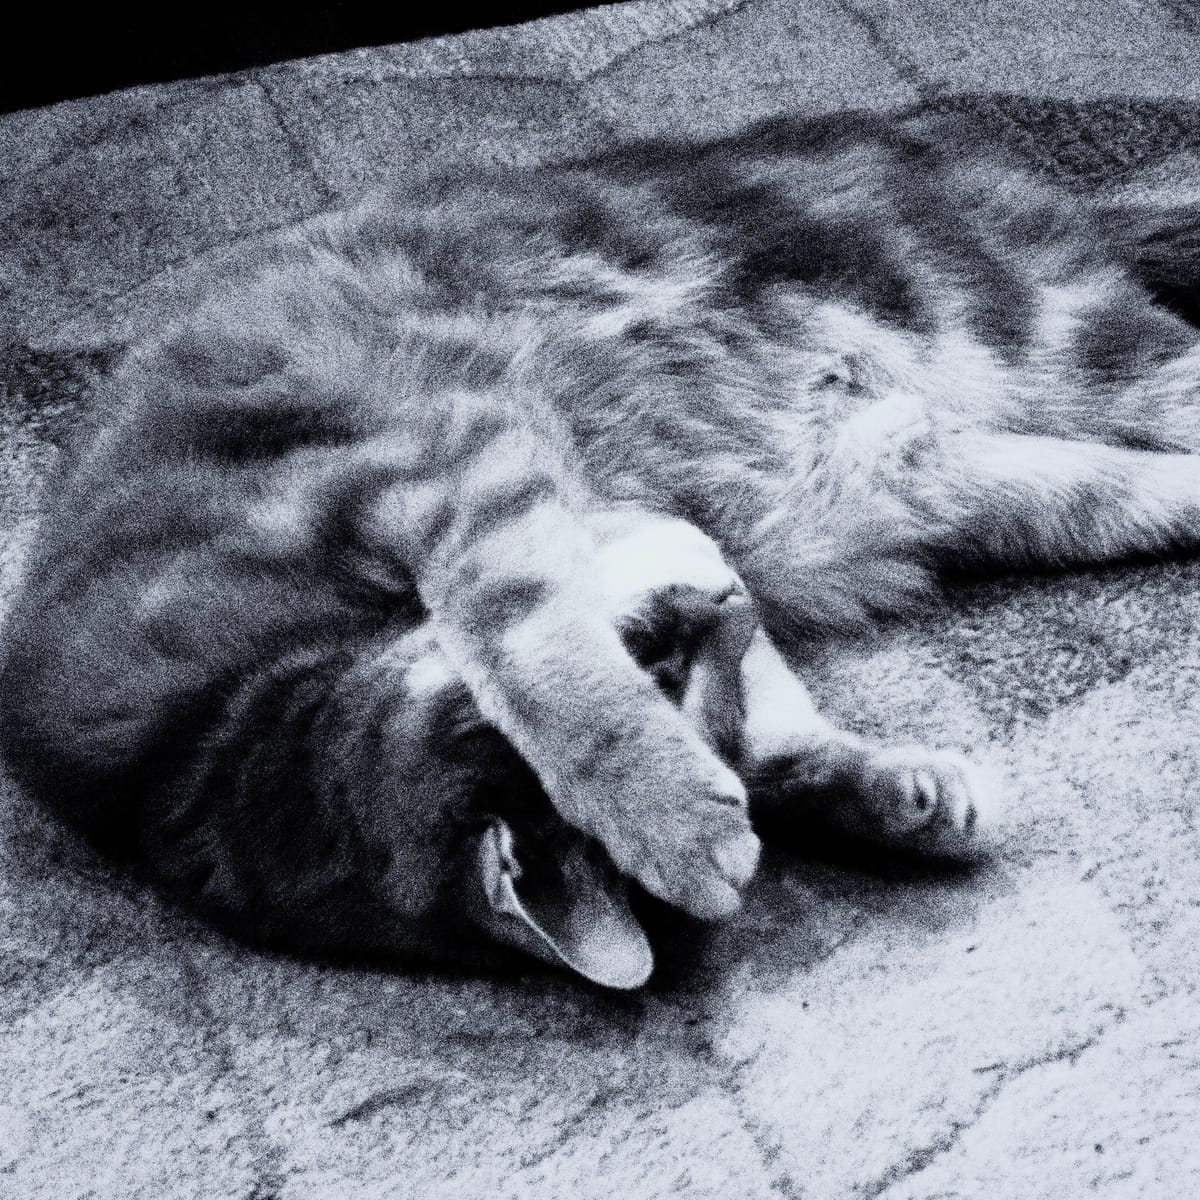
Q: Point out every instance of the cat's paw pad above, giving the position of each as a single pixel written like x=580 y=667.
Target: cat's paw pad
x=932 y=801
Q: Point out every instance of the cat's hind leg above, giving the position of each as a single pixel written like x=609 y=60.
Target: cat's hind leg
x=1117 y=367
x=1012 y=499
x=906 y=492
x=1163 y=408
x=804 y=773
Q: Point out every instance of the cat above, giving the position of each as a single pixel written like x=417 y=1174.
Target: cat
x=431 y=583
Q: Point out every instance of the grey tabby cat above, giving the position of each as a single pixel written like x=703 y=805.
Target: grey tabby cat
x=427 y=584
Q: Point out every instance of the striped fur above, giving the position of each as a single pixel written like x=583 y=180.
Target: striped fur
x=449 y=509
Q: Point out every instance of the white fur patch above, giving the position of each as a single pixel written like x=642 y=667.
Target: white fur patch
x=655 y=553
x=890 y=427
x=637 y=296
x=779 y=711
x=893 y=357
x=429 y=675
x=282 y=521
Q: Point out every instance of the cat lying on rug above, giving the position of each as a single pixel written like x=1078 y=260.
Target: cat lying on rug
x=428 y=583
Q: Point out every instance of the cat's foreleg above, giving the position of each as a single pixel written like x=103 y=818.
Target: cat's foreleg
x=805 y=773
x=492 y=529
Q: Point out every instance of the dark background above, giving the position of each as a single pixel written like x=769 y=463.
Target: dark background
x=49 y=53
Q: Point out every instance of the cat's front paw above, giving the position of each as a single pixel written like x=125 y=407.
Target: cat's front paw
x=684 y=828
x=931 y=801
x=703 y=866
x=684 y=616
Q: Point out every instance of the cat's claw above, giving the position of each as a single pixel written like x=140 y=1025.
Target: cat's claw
x=932 y=801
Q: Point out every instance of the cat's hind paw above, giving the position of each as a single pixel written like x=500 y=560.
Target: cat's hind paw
x=932 y=802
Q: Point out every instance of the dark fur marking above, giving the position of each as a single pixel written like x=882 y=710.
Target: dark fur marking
x=348 y=502
x=376 y=235
x=220 y=359
x=1166 y=255
x=239 y=434
x=504 y=504
x=770 y=239
x=526 y=705
x=1183 y=299
x=437 y=523
x=851 y=257
x=496 y=605
x=841 y=260
x=346 y=512
x=1001 y=301
x=1122 y=337
x=450 y=437
x=282 y=835
x=474 y=434
x=589 y=222
x=591 y=755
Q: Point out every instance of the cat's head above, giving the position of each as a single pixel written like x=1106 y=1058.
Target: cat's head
x=542 y=886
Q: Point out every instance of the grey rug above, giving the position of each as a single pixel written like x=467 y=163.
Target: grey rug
x=860 y=1029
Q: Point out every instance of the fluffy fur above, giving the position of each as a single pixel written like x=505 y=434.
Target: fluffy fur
x=407 y=595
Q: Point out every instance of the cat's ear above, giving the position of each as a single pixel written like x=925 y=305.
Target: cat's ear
x=574 y=911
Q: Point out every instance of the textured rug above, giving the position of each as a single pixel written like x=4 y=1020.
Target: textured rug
x=858 y=1030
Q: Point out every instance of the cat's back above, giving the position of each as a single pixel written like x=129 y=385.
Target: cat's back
x=899 y=218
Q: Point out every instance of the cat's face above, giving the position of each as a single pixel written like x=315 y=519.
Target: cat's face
x=684 y=614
